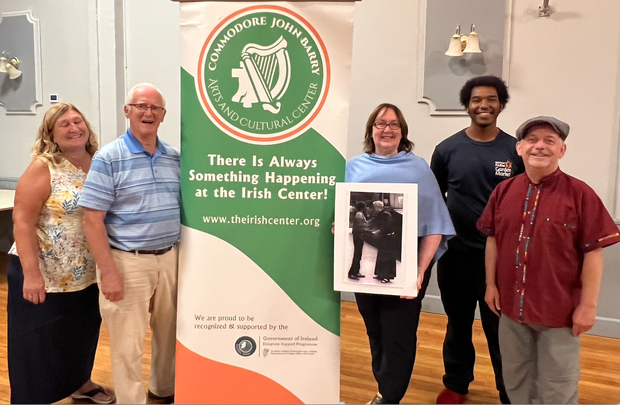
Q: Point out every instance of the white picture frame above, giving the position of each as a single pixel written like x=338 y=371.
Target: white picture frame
x=390 y=234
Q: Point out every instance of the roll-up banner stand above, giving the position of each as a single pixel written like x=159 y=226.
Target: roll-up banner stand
x=265 y=110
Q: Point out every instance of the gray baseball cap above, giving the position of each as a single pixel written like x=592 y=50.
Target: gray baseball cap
x=558 y=126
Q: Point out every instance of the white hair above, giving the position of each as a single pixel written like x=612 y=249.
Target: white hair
x=378 y=204
x=139 y=86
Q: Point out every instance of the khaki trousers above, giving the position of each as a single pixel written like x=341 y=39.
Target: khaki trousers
x=150 y=287
x=540 y=364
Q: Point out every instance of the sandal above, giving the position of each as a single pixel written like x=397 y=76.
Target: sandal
x=378 y=399
x=91 y=395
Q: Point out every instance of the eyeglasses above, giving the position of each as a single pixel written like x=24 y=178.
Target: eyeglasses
x=381 y=125
x=155 y=109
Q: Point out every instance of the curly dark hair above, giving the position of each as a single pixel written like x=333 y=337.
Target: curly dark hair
x=484 y=81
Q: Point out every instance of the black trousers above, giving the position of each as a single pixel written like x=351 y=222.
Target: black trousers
x=461 y=279
x=392 y=326
x=358 y=246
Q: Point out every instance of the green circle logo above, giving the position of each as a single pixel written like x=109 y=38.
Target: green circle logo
x=263 y=74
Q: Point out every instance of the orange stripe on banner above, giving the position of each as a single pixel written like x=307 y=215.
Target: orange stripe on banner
x=203 y=381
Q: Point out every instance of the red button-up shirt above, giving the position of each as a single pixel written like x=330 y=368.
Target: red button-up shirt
x=542 y=232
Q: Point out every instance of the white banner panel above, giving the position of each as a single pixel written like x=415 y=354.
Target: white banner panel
x=264 y=89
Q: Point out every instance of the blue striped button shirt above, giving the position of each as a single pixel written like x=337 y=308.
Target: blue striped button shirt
x=140 y=193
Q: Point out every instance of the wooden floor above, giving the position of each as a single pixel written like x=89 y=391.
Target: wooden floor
x=600 y=371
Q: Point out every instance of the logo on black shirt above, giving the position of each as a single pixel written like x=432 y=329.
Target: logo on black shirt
x=503 y=169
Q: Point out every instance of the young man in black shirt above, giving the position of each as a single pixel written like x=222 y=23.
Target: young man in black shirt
x=468 y=165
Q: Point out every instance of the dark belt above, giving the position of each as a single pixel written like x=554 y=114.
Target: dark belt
x=146 y=252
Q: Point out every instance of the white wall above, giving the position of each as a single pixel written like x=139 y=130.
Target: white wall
x=66 y=56
x=567 y=65
x=153 y=43
x=92 y=52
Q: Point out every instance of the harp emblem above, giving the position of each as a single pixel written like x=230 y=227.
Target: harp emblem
x=264 y=75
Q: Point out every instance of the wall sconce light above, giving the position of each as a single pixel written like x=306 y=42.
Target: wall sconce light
x=544 y=10
x=460 y=44
x=9 y=65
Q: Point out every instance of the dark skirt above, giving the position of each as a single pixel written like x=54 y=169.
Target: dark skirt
x=51 y=346
x=385 y=266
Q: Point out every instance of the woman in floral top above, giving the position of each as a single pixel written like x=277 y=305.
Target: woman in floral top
x=53 y=309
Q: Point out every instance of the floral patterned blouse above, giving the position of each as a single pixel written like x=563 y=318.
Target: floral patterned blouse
x=65 y=259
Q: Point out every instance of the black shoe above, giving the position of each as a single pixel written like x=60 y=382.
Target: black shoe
x=386 y=280
x=353 y=277
x=359 y=275
x=164 y=400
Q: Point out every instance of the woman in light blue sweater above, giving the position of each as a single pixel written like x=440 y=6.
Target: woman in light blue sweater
x=391 y=321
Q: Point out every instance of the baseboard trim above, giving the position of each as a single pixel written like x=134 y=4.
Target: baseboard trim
x=430 y=303
x=605 y=327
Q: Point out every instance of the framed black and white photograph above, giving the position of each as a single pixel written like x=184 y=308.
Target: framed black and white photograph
x=376 y=231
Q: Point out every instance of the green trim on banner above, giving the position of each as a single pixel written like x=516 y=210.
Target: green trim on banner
x=275 y=203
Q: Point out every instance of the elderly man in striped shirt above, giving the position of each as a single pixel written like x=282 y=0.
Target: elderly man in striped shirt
x=132 y=220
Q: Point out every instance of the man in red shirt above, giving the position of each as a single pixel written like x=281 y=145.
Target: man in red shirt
x=544 y=263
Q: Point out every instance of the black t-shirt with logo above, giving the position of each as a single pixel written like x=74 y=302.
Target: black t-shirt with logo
x=467 y=172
